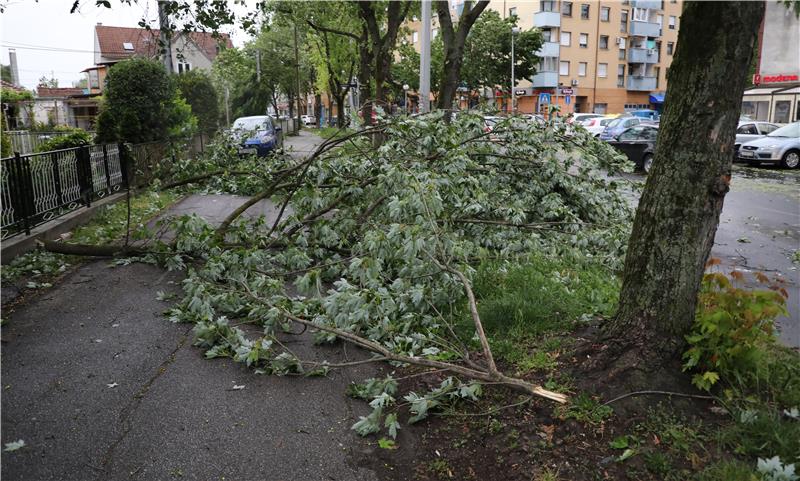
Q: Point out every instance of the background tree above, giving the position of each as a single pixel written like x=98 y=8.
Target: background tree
x=678 y=213
x=5 y=72
x=51 y=82
x=142 y=104
x=196 y=87
x=454 y=38
x=487 y=52
x=405 y=71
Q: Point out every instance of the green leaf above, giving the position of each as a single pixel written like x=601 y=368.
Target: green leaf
x=13 y=446
x=384 y=443
x=626 y=454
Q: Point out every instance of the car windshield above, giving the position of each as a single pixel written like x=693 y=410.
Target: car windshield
x=252 y=123
x=791 y=130
x=615 y=122
x=605 y=122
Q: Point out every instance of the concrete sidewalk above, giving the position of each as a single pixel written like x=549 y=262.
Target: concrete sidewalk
x=101 y=386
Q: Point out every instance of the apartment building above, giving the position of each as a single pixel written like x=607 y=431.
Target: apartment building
x=612 y=55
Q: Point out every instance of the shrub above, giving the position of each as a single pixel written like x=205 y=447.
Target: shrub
x=142 y=104
x=731 y=326
x=72 y=137
x=196 y=88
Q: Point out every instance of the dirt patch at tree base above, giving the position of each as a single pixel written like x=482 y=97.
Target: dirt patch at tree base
x=658 y=437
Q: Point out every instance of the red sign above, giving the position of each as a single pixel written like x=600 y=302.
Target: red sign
x=767 y=79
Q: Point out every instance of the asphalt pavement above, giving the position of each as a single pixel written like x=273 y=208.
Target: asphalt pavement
x=100 y=386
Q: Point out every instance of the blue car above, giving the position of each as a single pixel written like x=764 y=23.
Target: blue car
x=617 y=126
x=256 y=135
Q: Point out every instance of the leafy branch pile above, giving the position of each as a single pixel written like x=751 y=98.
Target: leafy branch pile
x=376 y=246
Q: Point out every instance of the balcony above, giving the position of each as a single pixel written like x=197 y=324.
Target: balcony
x=651 y=4
x=642 y=55
x=549 y=49
x=645 y=29
x=641 y=83
x=547 y=19
x=545 y=79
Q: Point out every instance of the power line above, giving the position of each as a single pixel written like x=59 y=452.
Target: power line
x=47 y=49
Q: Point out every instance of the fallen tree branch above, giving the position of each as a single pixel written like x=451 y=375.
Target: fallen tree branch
x=198 y=178
x=663 y=393
x=94 y=250
x=496 y=376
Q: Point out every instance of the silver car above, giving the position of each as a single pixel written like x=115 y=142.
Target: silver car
x=781 y=146
x=751 y=130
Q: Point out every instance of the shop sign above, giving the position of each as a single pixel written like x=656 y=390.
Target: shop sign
x=767 y=79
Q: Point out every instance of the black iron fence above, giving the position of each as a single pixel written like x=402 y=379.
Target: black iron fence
x=36 y=188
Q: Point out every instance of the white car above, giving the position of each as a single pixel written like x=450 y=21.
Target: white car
x=596 y=125
x=308 y=120
x=751 y=130
x=581 y=118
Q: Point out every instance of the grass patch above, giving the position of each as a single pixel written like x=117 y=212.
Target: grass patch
x=731 y=470
x=39 y=266
x=329 y=132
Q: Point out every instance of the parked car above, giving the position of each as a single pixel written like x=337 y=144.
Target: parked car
x=580 y=118
x=750 y=130
x=596 y=125
x=308 y=120
x=639 y=144
x=781 y=147
x=617 y=126
x=256 y=135
x=646 y=114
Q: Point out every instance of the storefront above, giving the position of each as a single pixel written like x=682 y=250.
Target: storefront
x=780 y=105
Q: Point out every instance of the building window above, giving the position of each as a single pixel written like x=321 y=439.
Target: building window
x=566 y=9
x=621 y=54
x=548 y=64
x=605 y=14
x=600 y=108
x=621 y=75
x=623 y=22
x=414 y=37
x=797 y=111
x=583 y=40
x=582 y=69
x=602 y=70
x=657 y=72
x=781 y=114
x=547 y=35
x=547 y=6
x=641 y=15
x=604 y=42
x=585 y=11
x=184 y=67
x=670 y=47
x=672 y=22
x=660 y=22
x=512 y=12
x=94 y=79
x=566 y=39
x=563 y=67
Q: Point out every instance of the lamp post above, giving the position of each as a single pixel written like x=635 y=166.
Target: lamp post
x=405 y=97
x=514 y=32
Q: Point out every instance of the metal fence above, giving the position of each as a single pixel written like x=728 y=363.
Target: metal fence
x=26 y=142
x=36 y=188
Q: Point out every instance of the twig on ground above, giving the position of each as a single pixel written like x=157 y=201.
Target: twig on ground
x=663 y=393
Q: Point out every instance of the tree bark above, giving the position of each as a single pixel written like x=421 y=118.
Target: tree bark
x=454 y=40
x=678 y=213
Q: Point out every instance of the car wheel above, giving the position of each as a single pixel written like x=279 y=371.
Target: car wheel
x=791 y=159
x=647 y=163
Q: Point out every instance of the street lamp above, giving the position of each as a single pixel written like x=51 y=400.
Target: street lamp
x=405 y=99
x=514 y=32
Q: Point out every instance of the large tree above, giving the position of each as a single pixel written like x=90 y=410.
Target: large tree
x=678 y=213
x=487 y=52
x=196 y=88
x=454 y=38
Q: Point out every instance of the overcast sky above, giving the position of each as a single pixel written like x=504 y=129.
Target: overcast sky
x=48 y=39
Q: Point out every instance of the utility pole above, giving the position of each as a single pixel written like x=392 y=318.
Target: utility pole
x=425 y=59
x=164 y=36
x=258 y=66
x=297 y=77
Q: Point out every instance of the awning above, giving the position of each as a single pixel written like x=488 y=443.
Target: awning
x=657 y=98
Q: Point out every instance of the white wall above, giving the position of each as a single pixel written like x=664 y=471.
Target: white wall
x=780 y=47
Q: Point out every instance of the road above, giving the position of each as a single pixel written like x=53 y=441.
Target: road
x=759 y=231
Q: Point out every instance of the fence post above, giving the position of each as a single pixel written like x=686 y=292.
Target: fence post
x=108 y=172
x=26 y=186
x=125 y=165
x=17 y=193
x=85 y=174
x=56 y=177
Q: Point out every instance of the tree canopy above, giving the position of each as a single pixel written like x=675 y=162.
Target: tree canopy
x=196 y=87
x=142 y=104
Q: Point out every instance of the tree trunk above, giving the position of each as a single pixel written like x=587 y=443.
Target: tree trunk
x=454 y=40
x=678 y=213
x=340 y=109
